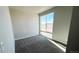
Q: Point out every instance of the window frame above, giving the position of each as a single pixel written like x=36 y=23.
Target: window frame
x=46 y=25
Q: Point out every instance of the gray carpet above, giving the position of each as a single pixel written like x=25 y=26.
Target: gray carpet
x=36 y=44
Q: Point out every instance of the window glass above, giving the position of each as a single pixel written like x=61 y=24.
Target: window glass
x=50 y=22
x=43 y=23
x=46 y=24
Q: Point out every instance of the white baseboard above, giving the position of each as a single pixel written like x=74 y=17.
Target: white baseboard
x=64 y=50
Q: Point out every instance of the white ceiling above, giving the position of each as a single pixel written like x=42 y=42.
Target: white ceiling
x=32 y=9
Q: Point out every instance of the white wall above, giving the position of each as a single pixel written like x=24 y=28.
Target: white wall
x=24 y=24
x=6 y=33
x=62 y=23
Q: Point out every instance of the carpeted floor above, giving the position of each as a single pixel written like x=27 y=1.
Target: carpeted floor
x=36 y=44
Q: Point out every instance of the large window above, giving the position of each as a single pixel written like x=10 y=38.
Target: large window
x=46 y=24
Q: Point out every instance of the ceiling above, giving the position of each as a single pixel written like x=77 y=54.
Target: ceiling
x=32 y=9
